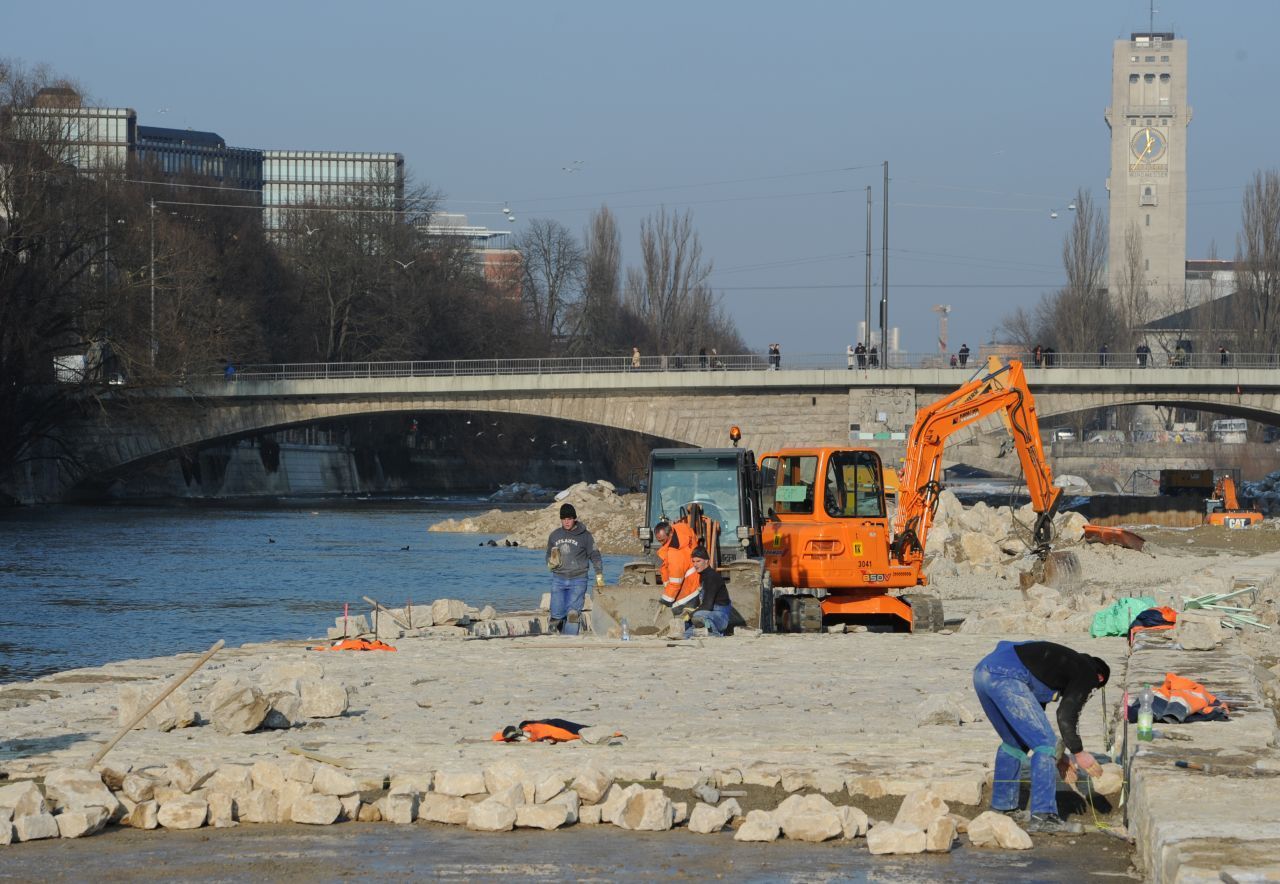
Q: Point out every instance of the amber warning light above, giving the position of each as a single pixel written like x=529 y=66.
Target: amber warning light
x=735 y=436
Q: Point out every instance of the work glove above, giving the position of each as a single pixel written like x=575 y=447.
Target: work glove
x=599 y=579
x=1087 y=763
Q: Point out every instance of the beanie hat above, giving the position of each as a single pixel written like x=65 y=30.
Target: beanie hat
x=700 y=552
x=567 y=511
x=1103 y=669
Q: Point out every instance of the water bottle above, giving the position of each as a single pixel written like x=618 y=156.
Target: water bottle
x=1146 y=714
x=626 y=630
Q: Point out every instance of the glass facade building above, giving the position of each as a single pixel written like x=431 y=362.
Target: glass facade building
x=295 y=179
x=174 y=153
x=91 y=138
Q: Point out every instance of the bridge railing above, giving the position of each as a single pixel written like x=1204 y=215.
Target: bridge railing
x=734 y=362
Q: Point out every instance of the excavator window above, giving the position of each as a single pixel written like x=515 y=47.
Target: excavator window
x=792 y=488
x=854 y=487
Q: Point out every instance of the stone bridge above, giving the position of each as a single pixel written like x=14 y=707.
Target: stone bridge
x=773 y=408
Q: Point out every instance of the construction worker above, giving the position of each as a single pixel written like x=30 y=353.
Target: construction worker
x=680 y=580
x=1014 y=684
x=570 y=549
x=714 y=608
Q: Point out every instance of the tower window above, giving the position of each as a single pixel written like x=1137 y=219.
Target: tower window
x=1164 y=78
x=1147 y=263
x=1150 y=78
x=1148 y=219
x=1148 y=195
x=1164 y=58
x=1151 y=58
x=1133 y=78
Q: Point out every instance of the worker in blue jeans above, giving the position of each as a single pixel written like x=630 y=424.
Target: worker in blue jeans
x=1014 y=683
x=570 y=551
x=714 y=607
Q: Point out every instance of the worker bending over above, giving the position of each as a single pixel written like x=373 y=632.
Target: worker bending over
x=680 y=580
x=1014 y=683
x=713 y=609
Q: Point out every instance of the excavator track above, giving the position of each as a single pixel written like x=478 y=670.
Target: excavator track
x=926 y=611
x=800 y=613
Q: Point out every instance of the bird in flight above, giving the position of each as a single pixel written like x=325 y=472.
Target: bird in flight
x=404 y=265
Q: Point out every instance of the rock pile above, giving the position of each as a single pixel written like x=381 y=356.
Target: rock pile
x=1263 y=494
x=194 y=792
x=442 y=618
x=612 y=519
x=523 y=492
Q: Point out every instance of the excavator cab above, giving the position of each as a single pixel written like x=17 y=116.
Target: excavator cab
x=1224 y=509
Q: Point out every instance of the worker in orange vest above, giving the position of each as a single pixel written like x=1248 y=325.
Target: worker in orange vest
x=680 y=580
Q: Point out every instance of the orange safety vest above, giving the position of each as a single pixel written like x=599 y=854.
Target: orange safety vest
x=1193 y=694
x=1169 y=615
x=681 y=584
x=357 y=644
x=540 y=731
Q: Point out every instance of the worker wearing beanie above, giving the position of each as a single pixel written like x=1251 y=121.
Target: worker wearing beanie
x=1014 y=684
x=714 y=607
x=570 y=551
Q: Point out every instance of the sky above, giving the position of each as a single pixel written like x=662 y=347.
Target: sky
x=767 y=121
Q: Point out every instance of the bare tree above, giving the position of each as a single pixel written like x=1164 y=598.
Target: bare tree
x=598 y=328
x=669 y=289
x=551 y=285
x=1133 y=300
x=1258 y=265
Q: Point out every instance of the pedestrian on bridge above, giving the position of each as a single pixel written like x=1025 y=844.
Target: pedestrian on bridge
x=861 y=351
x=964 y=355
x=635 y=358
x=1103 y=351
x=1144 y=353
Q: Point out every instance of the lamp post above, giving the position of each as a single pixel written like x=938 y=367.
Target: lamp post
x=153 y=282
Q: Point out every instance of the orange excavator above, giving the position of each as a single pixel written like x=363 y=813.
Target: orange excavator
x=806 y=539
x=1225 y=509
x=833 y=552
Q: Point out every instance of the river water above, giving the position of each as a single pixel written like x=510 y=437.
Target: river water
x=81 y=586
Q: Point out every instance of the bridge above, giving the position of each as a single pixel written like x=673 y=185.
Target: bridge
x=812 y=400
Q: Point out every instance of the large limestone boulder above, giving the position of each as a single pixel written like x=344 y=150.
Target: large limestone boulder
x=940 y=835
x=75 y=789
x=460 y=783
x=448 y=611
x=571 y=802
x=35 y=827
x=400 y=807
x=615 y=800
x=979 y=549
x=502 y=775
x=809 y=818
x=541 y=816
x=316 y=810
x=234 y=779
x=951 y=709
x=1111 y=781
x=187 y=812
x=491 y=815
x=895 y=838
x=437 y=808
x=143 y=816
x=853 y=821
x=1198 y=630
x=649 y=810
x=240 y=711
x=259 y=806
x=284 y=710
x=591 y=784
x=330 y=781
x=993 y=829
x=547 y=788
x=1069 y=527
x=920 y=808
x=78 y=823
x=222 y=809
x=188 y=774
x=707 y=820
x=174 y=712
x=758 y=826
x=22 y=799
x=323 y=698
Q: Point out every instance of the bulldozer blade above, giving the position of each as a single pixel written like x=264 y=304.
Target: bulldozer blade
x=637 y=604
x=1060 y=570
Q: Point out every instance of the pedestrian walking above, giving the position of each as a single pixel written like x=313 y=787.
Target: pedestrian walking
x=1102 y=355
x=954 y=360
x=861 y=351
x=635 y=358
x=570 y=551
x=849 y=354
x=1037 y=355
x=1143 y=353
x=702 y=357
x=964 y=355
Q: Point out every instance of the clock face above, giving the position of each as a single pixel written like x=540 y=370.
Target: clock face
x=1148 y=145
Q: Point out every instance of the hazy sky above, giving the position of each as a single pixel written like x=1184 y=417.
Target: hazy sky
x=766 y=120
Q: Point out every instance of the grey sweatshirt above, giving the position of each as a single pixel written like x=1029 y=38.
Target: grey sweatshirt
x=577 y=548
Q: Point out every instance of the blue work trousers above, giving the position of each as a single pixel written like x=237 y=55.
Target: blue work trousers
x=567 y=594
x=716 y=620
x=1013 y=700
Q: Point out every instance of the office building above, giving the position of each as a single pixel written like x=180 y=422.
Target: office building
x=492 y=252
x=1148 y=118
x=179 y=153
x=294 y=179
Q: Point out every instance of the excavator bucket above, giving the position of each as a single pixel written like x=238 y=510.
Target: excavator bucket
x=1060 y=569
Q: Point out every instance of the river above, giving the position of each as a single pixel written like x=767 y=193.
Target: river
x=84 y=585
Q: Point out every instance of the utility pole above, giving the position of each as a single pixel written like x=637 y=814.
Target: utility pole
x=867 y=328
x=153 y=282
x=884 y=275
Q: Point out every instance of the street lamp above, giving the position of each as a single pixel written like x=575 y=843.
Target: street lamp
x=153 y=282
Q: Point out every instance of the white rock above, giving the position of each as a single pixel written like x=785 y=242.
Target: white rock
x=511 y=796
x=991 y=829
x=78 y=823
x=940 y=835
x=761 y=777
x=284 y=710
x=486 y=613
x=615 y=800
x=267 y=775
x=591 y=784
x=323 y=698
x=351 y=805
x=234 y=779
x=731 y=807
x=448 y=611
x=260 y=806
x=590 y=814
x=491 y=815
x=187 y=812
x=174 y=711
x=316 y=810
x=1198 y=630
x=460 y=782
x=683 y=779
x=400 y=807
x=188 y=774
x=809 y=818
x=1070 y=527
x=415 y=781
x=239 y=712
x=23 y=799
x=853 y=822
x=541 y=816
x=759 y=826
x=143 y=816
x=35 y=827
x=76 y=789
x=370 y=813
x=946 y=709
x=962 y=789
x=329 y=781
x=707 y=820
x=570 y=801
x=503 y=775
x=437 y=808
x=290 y=792
x=1111 y=781
x=920 y=808
x=680 y=812
x=894 y=838
x=6 y=832
x=649 y=810
x=222 y=809
x=978 y=549
x=547 y=789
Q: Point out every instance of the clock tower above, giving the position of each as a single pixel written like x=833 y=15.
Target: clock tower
x=1148 y=118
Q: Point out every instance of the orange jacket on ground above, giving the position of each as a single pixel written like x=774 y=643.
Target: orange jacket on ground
x=1193 y=694
x=681 y=584
x=357 y=644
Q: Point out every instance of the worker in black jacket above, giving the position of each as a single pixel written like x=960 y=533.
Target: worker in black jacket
x=1014 y=683
x=713 y=610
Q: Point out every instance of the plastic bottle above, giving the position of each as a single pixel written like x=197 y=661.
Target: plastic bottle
x=1146 y=714
x=626 y=630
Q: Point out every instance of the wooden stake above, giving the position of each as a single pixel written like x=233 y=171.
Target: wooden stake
x=173 y=686
x=379 y=607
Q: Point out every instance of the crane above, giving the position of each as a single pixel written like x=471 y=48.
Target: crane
x=943 y=310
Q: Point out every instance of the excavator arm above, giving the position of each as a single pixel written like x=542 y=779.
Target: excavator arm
x=999 y=389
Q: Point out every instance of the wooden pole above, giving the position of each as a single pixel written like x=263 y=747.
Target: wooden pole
x=173 y=686
x=378 y=607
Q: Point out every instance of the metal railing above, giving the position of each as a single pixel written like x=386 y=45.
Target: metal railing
x=736 y=362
